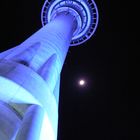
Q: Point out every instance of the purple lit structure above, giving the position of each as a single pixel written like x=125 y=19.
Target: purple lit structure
x=30 y=72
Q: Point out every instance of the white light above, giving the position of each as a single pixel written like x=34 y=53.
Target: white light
x=81 y=82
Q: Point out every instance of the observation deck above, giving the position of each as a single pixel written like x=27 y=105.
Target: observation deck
x=84 y=11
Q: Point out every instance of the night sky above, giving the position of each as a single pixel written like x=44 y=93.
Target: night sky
x=99 y=110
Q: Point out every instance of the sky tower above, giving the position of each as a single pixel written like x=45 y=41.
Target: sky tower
x=30 y=72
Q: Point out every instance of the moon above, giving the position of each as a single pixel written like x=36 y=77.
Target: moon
x=82 y=82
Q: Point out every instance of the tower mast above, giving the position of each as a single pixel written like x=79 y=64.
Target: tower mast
x=30 y=72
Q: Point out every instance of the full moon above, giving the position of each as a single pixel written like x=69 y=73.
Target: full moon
x=82 y=82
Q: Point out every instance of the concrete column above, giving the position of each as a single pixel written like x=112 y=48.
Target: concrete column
x=45 y=51
x=35 y=125
x=32 y=70
x=9 y=122
x=27 y=87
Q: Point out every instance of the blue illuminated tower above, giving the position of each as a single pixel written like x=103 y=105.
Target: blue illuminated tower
x=30 y=72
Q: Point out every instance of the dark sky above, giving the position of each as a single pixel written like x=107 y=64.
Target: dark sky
x=99 y=111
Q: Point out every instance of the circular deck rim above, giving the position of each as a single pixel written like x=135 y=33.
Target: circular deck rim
x=91 y=10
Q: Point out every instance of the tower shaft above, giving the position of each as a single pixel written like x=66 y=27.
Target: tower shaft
x=32 y=70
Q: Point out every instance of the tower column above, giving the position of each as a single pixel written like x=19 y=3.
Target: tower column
x=30 y=72
x=10 y=122
x=53 y=38
x=45 y=51
x=32 y=69
x=35 y=125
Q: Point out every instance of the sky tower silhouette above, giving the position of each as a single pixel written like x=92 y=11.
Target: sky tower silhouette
x=30 y=72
